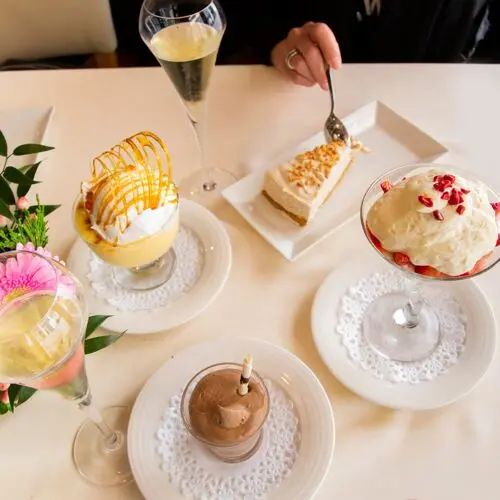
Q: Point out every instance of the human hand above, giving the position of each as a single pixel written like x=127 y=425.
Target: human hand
x=316 y=47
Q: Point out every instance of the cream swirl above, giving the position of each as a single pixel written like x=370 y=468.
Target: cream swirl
x=415 y=218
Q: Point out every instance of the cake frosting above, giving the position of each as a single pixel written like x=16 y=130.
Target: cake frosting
x=299 y=187
x=437 y=218
x=130 y=196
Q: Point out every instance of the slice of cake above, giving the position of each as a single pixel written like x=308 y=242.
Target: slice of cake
x=299 y=187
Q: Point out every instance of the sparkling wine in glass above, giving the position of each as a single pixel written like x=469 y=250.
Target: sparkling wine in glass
x=184 y=36
x=42 y=324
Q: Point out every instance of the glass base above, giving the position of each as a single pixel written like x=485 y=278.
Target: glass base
x=385 y=330
x=96 y=464
x=147 y=277
x=238 y=453
x=205 y=185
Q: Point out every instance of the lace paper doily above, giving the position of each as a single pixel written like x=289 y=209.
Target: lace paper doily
x=189 y=252
x=198 y=475
x=350 y=327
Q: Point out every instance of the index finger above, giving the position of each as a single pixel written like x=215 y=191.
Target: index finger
x=323 y=37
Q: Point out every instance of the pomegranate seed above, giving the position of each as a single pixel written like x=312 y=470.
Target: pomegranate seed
x=498 y=241
x=426 y=201
x=438 y=187
x=437 y=178
x=446 y=184
x=495 y=206
x=385 y=185
x=445 y=196
x=449 y=177
x=465 y=191
x=460 y=209
x=454 y=198
x=438 y=215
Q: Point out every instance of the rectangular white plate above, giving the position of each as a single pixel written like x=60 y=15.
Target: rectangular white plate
x=22 y=126
x=392 y=141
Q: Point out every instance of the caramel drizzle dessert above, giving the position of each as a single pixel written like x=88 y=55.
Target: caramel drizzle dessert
x=130 y=175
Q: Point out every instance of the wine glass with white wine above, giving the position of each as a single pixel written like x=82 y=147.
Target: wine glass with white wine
x=184 y=36
x=43 y=316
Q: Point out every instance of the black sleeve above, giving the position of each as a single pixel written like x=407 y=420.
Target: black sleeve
x=254 y=28
x=488 y=49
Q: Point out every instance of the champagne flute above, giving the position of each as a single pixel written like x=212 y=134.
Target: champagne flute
x=43 y=317
x=184 y=36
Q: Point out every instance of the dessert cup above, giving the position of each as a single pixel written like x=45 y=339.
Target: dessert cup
x=143 y=264
x=234 y=444
x=128 y=212
x=402 y=326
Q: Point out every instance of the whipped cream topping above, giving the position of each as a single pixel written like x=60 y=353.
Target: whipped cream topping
x=119 y=205
x=430 y=230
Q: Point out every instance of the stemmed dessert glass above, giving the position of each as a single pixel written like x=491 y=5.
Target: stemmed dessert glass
x=185 y=36
x=402 y=326
x=43 y=318
x=133 y=178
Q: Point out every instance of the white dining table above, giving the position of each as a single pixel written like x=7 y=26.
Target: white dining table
x=380 y=454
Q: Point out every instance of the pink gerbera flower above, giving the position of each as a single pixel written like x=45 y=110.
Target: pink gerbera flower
x=27 y=272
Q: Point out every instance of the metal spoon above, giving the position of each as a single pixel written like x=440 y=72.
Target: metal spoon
x=335 y=130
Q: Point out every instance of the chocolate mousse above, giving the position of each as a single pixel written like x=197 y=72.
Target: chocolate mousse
x=219 y=415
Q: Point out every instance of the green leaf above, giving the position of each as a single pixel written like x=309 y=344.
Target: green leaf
x=47 y=209
x=12 y=174
x=5 y=210
x=13 y=392
x=94 y=323
x=29 y=149
x=6 y=193
x=24 y=394
x=5 y=408
x=97 y=343
x=22 y=189
x=3 y=145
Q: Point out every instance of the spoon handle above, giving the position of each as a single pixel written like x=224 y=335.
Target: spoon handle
x=330 y=88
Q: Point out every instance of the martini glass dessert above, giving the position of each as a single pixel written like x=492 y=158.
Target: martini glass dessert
x=128 y=212
x=434 y=223
x=225 y=408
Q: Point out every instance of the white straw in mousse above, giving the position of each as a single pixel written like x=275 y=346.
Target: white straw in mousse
x=245 y=376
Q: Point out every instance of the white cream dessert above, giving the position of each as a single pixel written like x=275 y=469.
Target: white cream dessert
x=128 y=212
x=299 y=187
x=435 y=218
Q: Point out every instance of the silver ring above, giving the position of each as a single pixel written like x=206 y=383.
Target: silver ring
x=289 y=57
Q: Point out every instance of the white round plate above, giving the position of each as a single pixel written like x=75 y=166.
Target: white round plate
x=273 y=362
x=217 y=264
x=445 y=389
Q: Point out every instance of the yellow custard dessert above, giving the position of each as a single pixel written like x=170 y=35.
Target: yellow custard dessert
x=128 y=212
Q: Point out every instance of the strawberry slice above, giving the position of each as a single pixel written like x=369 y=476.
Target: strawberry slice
x=481 y=264
x=403 y=260
x=374 y=239
x=429 y=271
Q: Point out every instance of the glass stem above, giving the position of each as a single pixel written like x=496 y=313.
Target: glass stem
x=111 y=439
x=199 y=130
x=411 y=311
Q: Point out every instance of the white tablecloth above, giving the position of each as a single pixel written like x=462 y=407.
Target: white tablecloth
x=451 y=453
